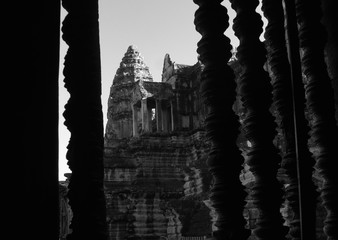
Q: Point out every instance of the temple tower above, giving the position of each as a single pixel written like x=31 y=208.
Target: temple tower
x=155 y=174
x=120 y=116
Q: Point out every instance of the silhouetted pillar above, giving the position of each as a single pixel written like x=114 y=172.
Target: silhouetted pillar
x=259 y=126
x=306 y=190
x=320 y=104
x=84 y=120
x=159 y=117
x=289 y=100
x=330 y=19
x=218 y=92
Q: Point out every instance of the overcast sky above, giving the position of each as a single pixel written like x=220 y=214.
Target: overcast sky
x=156 y=27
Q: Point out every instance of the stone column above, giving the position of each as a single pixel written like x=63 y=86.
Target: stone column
x=178 y=117
x=159 y=117
x=172 y=116
x=259 y=126
x=283 y=99
x=145 y=115
x=289 y=100
x=320 y=105
x=330 y=19
x=135 y=122
x=218 y=91
x=84 y=120
x=165 y=123
x=150 y=123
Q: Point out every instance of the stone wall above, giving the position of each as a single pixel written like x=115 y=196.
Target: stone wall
x=157 y=186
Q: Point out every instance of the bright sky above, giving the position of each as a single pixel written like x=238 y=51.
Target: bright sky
x=156 y=27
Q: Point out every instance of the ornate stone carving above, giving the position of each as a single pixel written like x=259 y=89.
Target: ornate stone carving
x=120 y=113
x=83 y=115
x=305 y=163
x=320 y=104
x=283 y=98
x=218 y=91
x=259 y=127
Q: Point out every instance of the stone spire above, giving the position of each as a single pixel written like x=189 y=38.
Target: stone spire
x=132 y=68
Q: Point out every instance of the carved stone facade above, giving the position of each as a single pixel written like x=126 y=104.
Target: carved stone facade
x=156 y=179
x=138 y=105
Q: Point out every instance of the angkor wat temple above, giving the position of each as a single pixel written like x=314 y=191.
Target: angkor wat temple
x=155 y=153
x=300 y=51
x=157 y=182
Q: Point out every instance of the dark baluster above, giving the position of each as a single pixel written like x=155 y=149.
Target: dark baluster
x=84 y=120
x=218 y=91
x=282 y=99
x=285 y=95
x=305 y=163
x=320 y=103
x=259 y=126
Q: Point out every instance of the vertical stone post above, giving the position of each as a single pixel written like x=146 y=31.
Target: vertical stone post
x=145 y=115
x=289 y=100
x=150 y=124
x=320 y=105
x=306 y=197
x=259 y=126
x=178 y=117
x=172 y=116
x=165 y=120
x=218 y=92
x=330 y=19
x=135 y=120
x=84 y=120
x=159 y=116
